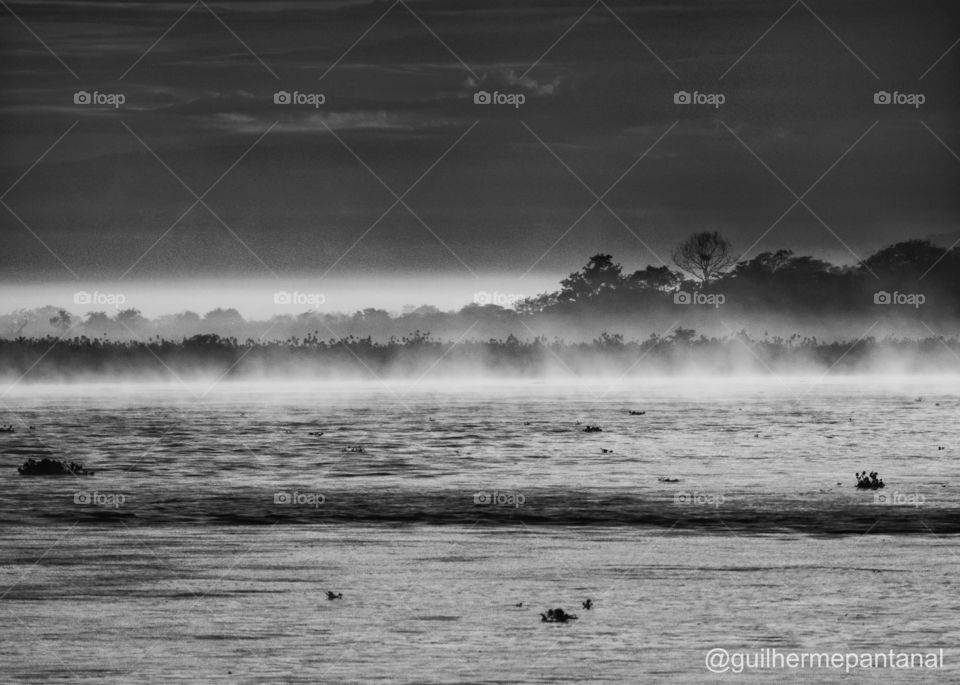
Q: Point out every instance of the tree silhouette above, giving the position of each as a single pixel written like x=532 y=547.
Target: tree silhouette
x=905 y=261
x=763 y=265
x=654 y=278
x=705 y=255
x=21 y=319
x=598 y=275
x=62 y=321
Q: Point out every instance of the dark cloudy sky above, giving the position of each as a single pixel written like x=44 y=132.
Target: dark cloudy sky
x=499 y=192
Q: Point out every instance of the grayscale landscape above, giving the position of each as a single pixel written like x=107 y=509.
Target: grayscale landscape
x=419 y=341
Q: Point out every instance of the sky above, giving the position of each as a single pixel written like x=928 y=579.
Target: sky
x=189 y=180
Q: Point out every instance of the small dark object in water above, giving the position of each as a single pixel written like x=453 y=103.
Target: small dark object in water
x=588 y=605
x=315 y=433
x=334 y=595
x=869 y=481
x=6 y=428
x=940 y=447
x=52 y=467
x=518 y=604
x=669 y=480
x=557 y=616
x=604 y=450
x=592 y=429
x=354 y=448
x=634 y=412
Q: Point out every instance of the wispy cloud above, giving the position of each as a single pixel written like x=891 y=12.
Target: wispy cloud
x=240 y=123
x=507 y=78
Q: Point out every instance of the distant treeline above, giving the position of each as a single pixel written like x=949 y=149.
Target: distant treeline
x=912 y=288
x=914 y=275
x=419 y=355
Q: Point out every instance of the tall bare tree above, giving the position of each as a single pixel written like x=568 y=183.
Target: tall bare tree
x=705 y=255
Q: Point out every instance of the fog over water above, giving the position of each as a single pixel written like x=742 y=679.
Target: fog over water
x=405 y=451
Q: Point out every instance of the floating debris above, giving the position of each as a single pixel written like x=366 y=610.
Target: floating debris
x=52 y=467
x=557 y=616
x=869 y=481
